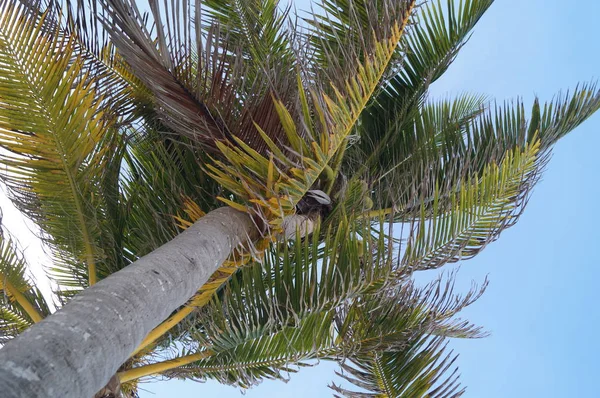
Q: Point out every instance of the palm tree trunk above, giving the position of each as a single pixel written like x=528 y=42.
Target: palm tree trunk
x=74 y=352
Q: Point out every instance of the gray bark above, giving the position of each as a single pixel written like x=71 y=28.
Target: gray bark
x=74 y=352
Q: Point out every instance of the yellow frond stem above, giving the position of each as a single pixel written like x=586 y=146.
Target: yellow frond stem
x=22 y=300
x=193 y=211
x=164 y=327
x=91 y=264
x=155 y=368
x=377 y=213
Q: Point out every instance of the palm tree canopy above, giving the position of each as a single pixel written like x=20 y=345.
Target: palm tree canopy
x=120 y=128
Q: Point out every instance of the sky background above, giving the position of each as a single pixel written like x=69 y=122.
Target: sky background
x=541 y=304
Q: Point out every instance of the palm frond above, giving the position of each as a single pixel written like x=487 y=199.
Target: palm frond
x=443 y=147
x=387 y=320
x=12 y=323
x=481 y=208
x=564 y=113
x=244 y=358
x=243 y=348
x=438 y=34
x=397 y=340
x=57 y=141
x=257 y=27
x=437 y=130
x=421 y=369
x=427 y=50
x=75 y=21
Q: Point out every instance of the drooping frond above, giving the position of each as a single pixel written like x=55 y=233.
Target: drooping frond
x=399 y=338
x=358 y=265
x=243 y=348
x=481 y=208
x=386 y=320
x=57 y=142
x=422 y=369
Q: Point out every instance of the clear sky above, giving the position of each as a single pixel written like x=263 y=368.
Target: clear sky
x=541 y=305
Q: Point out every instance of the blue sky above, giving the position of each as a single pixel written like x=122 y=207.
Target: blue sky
x=541 y=305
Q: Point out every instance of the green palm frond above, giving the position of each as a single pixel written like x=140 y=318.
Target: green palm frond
x=236 y=349
x=245 y=357
x=421 y=369
x=437 y=130
x=431 y=154
x=564 y=113
x=12 y=323
x=57 y=142
x=477 y=213
x=427 y=50
x=438 y=34
x=257 y=27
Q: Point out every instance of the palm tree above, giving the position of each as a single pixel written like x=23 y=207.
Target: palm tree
x=120 y=129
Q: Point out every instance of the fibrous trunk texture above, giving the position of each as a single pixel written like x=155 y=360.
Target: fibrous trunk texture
x=74 y=352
